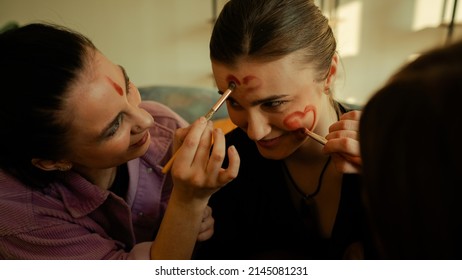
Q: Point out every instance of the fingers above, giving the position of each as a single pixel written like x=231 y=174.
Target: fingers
x=345 y=164
x=234 y=162
x=201 y=159
x=343 y=143
x=207 y=212
x=345 y=154
x=193 y=147
x=207 y=225
x=218 y=153
x=197 y=169
x=224 y=176
x=348 y=122
x=180 y=134
x=353 y=134
x=351 y=115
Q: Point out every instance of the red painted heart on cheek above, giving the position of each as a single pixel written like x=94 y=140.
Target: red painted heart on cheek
x=299 y=119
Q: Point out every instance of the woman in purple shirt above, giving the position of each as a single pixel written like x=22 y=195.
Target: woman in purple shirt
x=81 y=158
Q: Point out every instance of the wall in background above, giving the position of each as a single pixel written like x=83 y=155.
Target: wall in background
x=158 y=41
x=375 y=38
x=165 y=42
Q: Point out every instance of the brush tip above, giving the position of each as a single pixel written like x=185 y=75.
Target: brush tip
x=232 y=85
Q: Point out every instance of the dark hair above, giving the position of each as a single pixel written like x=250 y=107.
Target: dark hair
x=38 y=65
x=270 y=29
x=412 y=158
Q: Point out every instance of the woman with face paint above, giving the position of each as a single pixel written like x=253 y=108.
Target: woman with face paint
x=81 y=158
x=294 y=198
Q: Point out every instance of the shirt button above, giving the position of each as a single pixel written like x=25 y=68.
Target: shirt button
x=149 y=170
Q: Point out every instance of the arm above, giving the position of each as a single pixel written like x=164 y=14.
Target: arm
x=197 y=174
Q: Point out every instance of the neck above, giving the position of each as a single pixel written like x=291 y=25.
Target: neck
x=327 y=116
x=102 y=178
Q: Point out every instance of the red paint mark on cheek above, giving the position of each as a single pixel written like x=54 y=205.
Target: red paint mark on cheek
x=298 y=119
x=116 y=86
x=232 y=78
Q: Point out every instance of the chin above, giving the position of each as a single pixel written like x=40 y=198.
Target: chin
x=274 y=154
x=281 y=151
x=144 y=149
x=139 y=152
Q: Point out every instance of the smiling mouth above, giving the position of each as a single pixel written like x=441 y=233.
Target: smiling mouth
x=141 y=141
x=269 y=143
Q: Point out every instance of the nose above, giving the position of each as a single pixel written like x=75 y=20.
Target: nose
x=142 y=120
x=257 y=126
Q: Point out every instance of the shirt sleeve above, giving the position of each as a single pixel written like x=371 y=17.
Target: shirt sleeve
x=67 y=241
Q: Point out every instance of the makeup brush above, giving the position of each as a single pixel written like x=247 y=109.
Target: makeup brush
x=321 y=140
x=208 y=117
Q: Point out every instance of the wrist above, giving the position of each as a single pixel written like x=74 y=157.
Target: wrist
x=188 y=200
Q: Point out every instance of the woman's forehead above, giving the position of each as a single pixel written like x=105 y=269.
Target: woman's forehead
x=97 y=93
x=249 y=80
x=247 y=69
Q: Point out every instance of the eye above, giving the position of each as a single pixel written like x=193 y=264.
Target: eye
x=274 y=104
x=115 y=126
x=233 y=104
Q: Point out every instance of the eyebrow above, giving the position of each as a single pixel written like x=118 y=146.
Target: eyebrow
x=126 y=78
x=262 y=101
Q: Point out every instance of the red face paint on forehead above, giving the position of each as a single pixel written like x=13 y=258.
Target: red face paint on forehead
x=232 y=78
x=251 y=82
x=115 y=86
x=247 y=79
x=298 y=119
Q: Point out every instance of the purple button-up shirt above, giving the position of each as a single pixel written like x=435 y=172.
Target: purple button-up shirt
x=75 y=219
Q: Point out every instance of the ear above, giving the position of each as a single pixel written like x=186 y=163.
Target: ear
x=51 y=165
x=332 y=73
